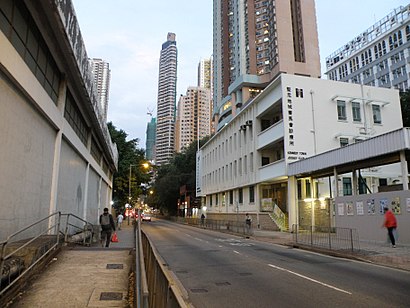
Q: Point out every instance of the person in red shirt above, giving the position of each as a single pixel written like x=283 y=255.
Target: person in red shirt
x=390 y=223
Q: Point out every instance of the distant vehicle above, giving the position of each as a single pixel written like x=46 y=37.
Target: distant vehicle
x=146 y=217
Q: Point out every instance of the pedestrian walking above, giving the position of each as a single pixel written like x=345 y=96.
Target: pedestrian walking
x=202 y=220
x=107 y=227
x=120 y=218
x=248 y=224
x=390 y=223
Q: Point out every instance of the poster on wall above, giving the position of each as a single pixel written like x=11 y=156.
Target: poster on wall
x=359 y=208
x=383 y=204
x=340 y=209
x=408 y=204
x=395 y=205
x=349 y=208
x=267 y=205
x=371 y=210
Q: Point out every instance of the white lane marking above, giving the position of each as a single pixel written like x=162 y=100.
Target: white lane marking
x=199 y=239
x=237 y=252
x=310 y=279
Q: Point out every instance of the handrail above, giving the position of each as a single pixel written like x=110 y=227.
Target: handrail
x=85 y=228
x=4 y=244
x=141 y=284
x=52 y=229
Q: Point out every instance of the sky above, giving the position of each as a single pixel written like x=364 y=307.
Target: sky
x=128 y=34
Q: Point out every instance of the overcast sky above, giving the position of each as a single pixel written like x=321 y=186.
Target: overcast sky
x=128 y=34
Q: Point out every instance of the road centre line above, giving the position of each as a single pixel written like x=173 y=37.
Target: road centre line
x=237 y=252
x=310 y=279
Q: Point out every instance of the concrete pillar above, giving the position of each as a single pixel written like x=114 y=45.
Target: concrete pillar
x=354 y=179
x=404 y=170
x=293 y=210
x=336 y=186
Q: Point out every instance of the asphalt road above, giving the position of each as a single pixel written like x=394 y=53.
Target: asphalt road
x=222 y=270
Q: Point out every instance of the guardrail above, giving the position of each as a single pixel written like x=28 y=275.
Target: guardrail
x=332 y=238
x=163 y=289
x=16 y=260
x=228 y=226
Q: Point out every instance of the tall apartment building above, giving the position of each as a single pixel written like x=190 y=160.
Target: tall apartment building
x=254 y=41
x=150 y=139
x=378 y=56
x=166 y=103
x=193 y=117
x=205 y=73
x=102 y=74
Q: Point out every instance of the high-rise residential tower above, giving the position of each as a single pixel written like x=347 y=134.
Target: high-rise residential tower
x=255 y=41
x=166 y=103
x=102 y=75
x=205 y=73
x=194 y=117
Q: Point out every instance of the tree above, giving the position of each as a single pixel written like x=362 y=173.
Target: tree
x=181 y=170
x=128 y=155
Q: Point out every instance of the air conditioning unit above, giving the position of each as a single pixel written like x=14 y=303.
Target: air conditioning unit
x=243 y=127
x=249 y=123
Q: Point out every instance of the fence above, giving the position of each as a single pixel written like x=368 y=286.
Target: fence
x=331 y=238
x=229 y=226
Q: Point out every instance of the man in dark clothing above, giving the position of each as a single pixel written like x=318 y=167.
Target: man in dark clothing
x=107 y=227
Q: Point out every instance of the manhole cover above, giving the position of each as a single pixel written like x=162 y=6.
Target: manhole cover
x=111 y=296
x=223 y=283
x=199 y=290
x=115 y=266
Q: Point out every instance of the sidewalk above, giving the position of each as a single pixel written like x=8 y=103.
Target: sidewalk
x=382 y=254
x=85 y=276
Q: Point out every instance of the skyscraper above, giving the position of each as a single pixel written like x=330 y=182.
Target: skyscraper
x=256 y=40
x=205 y=73
x=166 y=103
x=102 y=75
x=194 y=117
x=150 y=141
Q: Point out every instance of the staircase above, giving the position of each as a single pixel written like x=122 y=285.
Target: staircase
x=280 y=218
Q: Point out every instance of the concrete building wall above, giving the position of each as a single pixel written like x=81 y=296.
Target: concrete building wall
x=51 y=129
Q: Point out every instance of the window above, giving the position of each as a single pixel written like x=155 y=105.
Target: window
x=308 y=189
x=210 y=200
x=344 y=142
x=347 y=186
x=216 y=199
x=231 y=197
x=341 y=110
x=356 y=112
x=251 y=194
x=240 y=197
x=377 y=117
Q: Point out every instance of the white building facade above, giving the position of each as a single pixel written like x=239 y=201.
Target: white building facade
x=102 y=75
x=379 y=56
x=243 y=168
x=56 y=153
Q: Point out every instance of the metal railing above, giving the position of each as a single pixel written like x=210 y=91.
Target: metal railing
x=228 y=226
x=141 y=298
x=332 y=238
x=79 y=234
x=16 y=261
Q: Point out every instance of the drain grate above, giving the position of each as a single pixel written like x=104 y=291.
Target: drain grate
x=111 y=296
x=225 y=283
x=115 y=266
x=199 y=290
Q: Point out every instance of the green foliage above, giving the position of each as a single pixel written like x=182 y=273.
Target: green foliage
x=180 y=171
x=405 y=107
x=128 y=155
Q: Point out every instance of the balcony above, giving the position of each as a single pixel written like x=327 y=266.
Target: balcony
x=270 y=135
x=272 y=170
